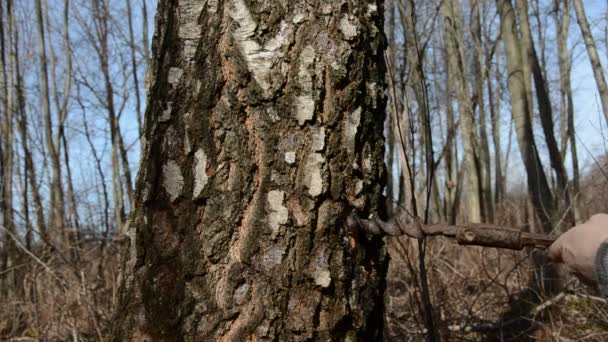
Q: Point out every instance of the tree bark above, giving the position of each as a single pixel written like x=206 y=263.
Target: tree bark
x=391 y=109
x=456 y=64
x=562 y=19
x=538 y=186
x=485 y=168
x=494 y=100
x=57 y=219
x=545 y=111
x=134 y=73
x=30 y=171
x=594 y=58
x=101 y=21
x=263 y=131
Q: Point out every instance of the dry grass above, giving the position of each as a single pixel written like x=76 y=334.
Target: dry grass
x=478 y=293
x=485 y=294
x=59 y=298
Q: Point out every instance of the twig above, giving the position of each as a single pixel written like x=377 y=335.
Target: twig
x=33 y=256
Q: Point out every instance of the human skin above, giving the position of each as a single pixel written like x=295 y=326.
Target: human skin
x=577 y=248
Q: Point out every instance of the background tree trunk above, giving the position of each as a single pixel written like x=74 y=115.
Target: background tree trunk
x=594 y=58
x=545 y=112
x=538 y=186
x=454 y=46
x=263 y=131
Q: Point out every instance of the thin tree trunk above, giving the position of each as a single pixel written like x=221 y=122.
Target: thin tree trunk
x=451 y=158
x=538 y=185
x=485 y=167
x=8 y=254
x=245 y=183
x=594 y=59
x=561 y=12
x=30 y=171
x=545 y=111
x=57 y=206
x=562 y=18
x=454 y=47
x=144 y=34
x=390 y=137
x=134 y=72
x=494 y=96
x=541 y=39
x=101 y=21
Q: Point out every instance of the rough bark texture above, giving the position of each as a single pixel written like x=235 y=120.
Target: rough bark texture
x=263 y=131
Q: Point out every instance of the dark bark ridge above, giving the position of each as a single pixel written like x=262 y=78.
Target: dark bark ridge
x=263 y=131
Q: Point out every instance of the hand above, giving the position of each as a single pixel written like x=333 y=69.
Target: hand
x=578 y=247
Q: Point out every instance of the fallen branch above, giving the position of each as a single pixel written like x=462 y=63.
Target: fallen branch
x=478 y=234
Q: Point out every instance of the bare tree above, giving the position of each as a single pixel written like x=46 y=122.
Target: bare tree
x=562 y=19
x=485 y=167
x=57 y=217
x=538 y=186
x=455 y=53
x=545 y=109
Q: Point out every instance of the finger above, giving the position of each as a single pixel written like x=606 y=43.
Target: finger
x=555 y=251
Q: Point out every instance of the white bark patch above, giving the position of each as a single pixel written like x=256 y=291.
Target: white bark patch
x=367 y=159
x=240 y=294
x=318 y=139
x=348 y=29
x=187 y=142
x=298 y=18
x=372 y=90
x=273 y=257
x=259 y=58
x=200 y=173
x=326 y=9
x=352 y=127
x=313 y=177
x=290 y=157
x=189 y=31
x=212 y=6
x=358 y=187
x=278 y=212
x=173 y=181
x=131 y=233
x=372 y=9
x=305 y=108
x=175 y=75
x=322 y=278
x=305 y=104
x=308 y=56
x=166 y=114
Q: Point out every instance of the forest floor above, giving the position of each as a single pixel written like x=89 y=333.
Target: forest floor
x=477 y=293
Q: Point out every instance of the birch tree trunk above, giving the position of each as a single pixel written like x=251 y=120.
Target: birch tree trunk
x=263 y=131
x=594 y=58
